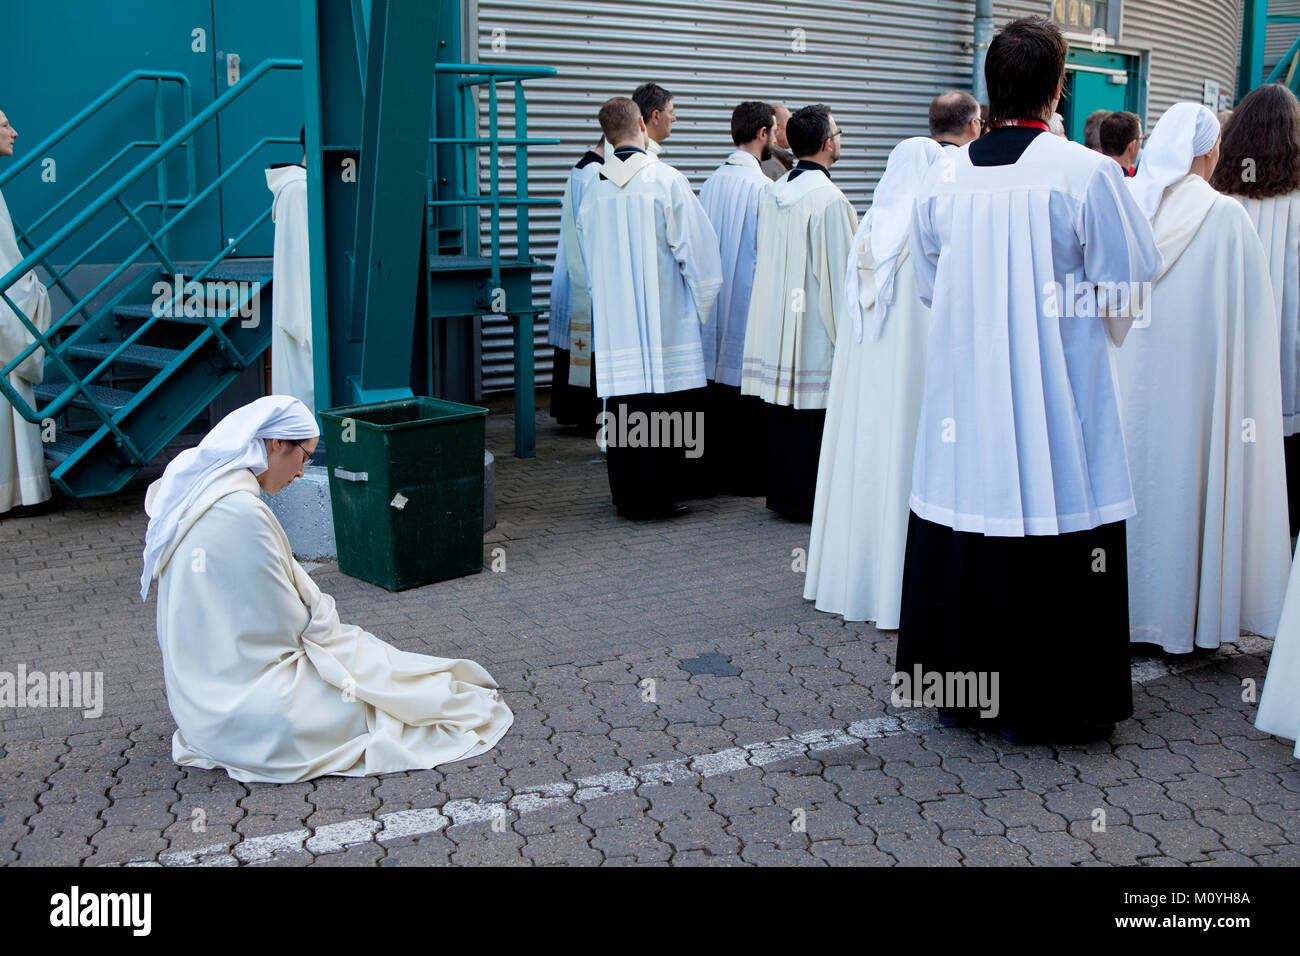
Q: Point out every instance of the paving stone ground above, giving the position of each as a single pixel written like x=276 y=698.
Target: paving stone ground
x=676 y=702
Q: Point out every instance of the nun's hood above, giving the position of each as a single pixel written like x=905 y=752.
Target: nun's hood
x=229 y=483
x=278 y=177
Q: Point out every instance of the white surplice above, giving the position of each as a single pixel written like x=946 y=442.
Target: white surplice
x=266 y=682
x=805 y=230
x=1277 y=221
x=1020 y=428
x=858 y=539
x=1209 y=546
x=23 y=478
x=569 y=298
x=291 y=363
x=1279 y=699
x=653 y=272
x=730 y=197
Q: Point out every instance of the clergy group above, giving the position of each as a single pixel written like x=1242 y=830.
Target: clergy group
x=1039 y=406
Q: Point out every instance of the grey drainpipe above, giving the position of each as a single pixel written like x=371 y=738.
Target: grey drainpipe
x=983 y=37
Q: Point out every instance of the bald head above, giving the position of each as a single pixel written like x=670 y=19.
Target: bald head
x=782 y=117
x=621 y=122
x=954 y=117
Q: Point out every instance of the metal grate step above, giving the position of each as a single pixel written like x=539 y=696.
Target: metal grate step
x=56 y=451
x=111 y=398
x=149 y=356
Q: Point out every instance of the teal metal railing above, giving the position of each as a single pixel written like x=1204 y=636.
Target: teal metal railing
x=472 y=76
x=42 y=150
x=78 y=386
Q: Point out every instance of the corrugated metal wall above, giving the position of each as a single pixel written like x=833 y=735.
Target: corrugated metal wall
x=876 y=64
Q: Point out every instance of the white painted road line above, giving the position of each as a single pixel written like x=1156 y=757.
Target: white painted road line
x=335 y=837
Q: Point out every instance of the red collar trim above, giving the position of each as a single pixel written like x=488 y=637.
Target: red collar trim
x=1036 y=124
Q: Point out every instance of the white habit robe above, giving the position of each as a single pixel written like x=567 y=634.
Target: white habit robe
x=858 y=541
x=266 y=682
x=730 y=197
x=23 y=478
x=805 y=230
x=1277 y=221
x=1020 y=428
x=864 y=477
x=291 y=363
x=1279 y=701
x=1209 y=546
x=653 y=272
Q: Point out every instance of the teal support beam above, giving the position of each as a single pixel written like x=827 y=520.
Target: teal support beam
x=983 y=37
x=392 y=188
x=1254 y=24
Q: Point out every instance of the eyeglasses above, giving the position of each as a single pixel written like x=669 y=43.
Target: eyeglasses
x=306 y=455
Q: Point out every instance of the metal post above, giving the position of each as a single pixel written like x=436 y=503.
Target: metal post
x=1254 y=26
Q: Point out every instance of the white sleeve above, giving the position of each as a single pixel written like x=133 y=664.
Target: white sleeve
x=1119 y=252
x=695 y=247
x=925 y=250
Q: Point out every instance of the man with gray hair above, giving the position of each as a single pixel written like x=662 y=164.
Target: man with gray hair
x=955 y=118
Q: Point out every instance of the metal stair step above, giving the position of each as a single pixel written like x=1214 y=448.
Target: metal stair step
x=149 y=356
x=111 y=398
x=63 y=446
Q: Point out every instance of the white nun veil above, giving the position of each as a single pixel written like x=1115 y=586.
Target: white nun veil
x=887 y=223
x=235 y=442
x=1187 y=130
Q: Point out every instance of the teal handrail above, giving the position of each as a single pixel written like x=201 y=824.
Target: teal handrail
x=1285 y=62
x=475 y=75
x=42 y=149
x=80 y=385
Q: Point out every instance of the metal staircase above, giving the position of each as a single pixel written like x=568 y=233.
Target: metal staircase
x=123 y=381
x=124 y=378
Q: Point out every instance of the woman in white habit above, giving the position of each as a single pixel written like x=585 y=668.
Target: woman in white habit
x=262 y=677
x=864 y=477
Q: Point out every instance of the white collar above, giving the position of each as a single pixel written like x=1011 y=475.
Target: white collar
x=742 y=158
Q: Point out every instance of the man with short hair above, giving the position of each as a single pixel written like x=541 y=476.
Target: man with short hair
x=955 y=118
x=656 y=106
x=651 y=262
x=805 y=230
x=1121 y=139
x=1030 y=251
x=1091 y=126
x=782 y=160
x=24 y=482
x=730 y=197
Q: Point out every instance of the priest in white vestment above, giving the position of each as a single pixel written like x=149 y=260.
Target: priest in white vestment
x=653 y=272
x=569 y=328
x=730 y=197
x=805 y=228
x=859 y=525
x=1208 y=549
x=1260 y=168
x=262 y=677
x=24 y=481
x=292 y=372
x=1025 y=245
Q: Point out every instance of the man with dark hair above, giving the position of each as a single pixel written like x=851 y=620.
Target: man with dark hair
x=650 y=257
x=1028 y=248
x=782 y=160
x=656 y=106
x=1121 y=138
x=955 y=118
x=730 y=196
x=1090 y=129
x=805 y=229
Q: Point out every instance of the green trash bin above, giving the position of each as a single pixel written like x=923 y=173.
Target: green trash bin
x=406 y=489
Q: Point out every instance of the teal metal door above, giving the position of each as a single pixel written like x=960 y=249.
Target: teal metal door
x=1098 y=81
x=246 y=32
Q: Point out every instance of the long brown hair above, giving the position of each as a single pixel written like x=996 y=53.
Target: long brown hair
x=1260 y=153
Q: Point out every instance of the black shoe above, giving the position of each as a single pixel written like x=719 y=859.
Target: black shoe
x=652 y=514
x=1078 y=734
